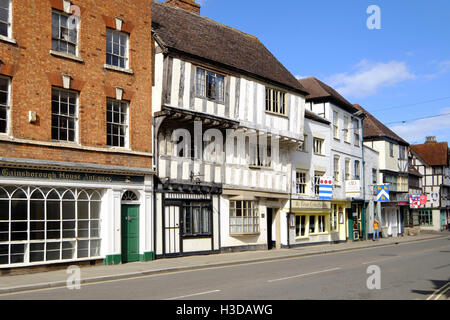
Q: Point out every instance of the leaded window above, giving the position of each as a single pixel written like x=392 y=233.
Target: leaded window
x=64 y=114
x=116 y=48
x=210 y=85
x=301 y=182
x=276 y=101
x=47 y=224
x=64 y=33
x=117 y=123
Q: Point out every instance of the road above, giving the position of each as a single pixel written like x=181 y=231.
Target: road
x=415 y=270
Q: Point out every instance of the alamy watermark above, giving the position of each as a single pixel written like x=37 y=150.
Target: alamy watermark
x=73 y=281
x=374 y=280
x=374 y=20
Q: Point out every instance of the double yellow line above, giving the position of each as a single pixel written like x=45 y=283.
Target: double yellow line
x=440 y=292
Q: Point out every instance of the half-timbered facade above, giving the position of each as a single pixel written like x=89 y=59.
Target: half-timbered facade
x=432 y=162
x=227 y=116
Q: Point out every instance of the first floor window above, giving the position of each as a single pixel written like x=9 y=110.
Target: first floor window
x=317 y=176
x=4 y=104
x=39 y=224
x=5 y=20
x=64 y=114
x=276 y=101
x=426 y=217
x=318 y=143
x=300 y=226
x=210 y=85
x=117 y=123
x=197 y=219
x=336 y=133
x=301 y=182
x=357 y=170
x=347 y=169
x=244 y=217
x=337 y=173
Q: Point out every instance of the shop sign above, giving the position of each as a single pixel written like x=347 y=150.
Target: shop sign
x=311 y=205
x=383 y=193
x=67 y=176
x=353 y=188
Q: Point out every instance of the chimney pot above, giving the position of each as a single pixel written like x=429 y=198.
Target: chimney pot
x=431 y=139
x=188 y=5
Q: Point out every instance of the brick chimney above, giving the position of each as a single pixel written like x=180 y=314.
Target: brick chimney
x=188 y=5
x=431 y=139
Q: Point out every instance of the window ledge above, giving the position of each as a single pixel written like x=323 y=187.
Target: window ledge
x=66 y=56
x=8 y=40
x=277 y=114
x=113 y=68
x=244 y=234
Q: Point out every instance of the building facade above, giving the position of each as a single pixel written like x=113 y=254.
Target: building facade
x=431 y=160
x=76 y=173
x=225 y=128
x=393 y=170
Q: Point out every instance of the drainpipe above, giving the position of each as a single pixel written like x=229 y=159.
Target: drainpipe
x=362 y=116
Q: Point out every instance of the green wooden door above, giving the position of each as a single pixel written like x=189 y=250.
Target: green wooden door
x=130 y=233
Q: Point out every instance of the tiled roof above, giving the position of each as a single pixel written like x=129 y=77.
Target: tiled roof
x=433 y=153
x=315 y=117
x=319 y=90
x=373 y=128
x=188 y=33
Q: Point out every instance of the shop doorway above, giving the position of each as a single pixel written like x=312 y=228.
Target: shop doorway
x=130 y=227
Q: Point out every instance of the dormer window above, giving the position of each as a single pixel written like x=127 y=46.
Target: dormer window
x=210 y=85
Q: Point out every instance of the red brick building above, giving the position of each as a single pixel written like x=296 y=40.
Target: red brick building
x=75 y=131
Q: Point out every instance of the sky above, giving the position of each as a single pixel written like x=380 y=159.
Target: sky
x=400 y=72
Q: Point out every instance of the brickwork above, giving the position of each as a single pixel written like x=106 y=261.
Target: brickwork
x=34 y=70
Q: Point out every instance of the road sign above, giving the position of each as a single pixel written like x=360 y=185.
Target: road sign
x=326 y=188
x=383 y=193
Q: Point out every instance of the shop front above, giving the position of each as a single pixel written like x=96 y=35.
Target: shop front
x=187 y=219
x=390 y=219
x=55 y=216
x=315 y=222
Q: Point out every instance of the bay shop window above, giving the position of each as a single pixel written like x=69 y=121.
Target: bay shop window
x=310 y=224
x=45 y=224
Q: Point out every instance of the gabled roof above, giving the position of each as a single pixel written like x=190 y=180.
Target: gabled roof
x=433 y=153
x=320 y=91
x=188 y=33
x=374 y=129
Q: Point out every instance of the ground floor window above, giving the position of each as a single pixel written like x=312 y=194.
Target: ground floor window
x=244 y=217
x=334 y=217
x=48 y=224
x=300 y=226
x=306 y=225
x=426 y=217
x=197 y=219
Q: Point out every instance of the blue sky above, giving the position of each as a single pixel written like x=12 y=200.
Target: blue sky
x=391 y=72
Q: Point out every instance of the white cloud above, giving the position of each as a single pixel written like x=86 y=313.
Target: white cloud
x=442 y=67
x=416 y=131
x=369 y=77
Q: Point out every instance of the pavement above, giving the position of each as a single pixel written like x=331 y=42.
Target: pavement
x=97 y=274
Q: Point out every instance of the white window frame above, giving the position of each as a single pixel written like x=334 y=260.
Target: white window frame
x=59 y=13
x=8 y=23
x=318 y=144
x=348 y=175
x=7 y=107
x=357 y=170
x=347 y=127
x=317 y=176
x=75 y=117
x=301 y=181
x=93 y=239
x=357 y=136
x=126 y=124
x=276 y=101
x=299 y=226
x=337 y=168
x=304 y=147
x=336 y=134
x=127 y=50
x=238 y=223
